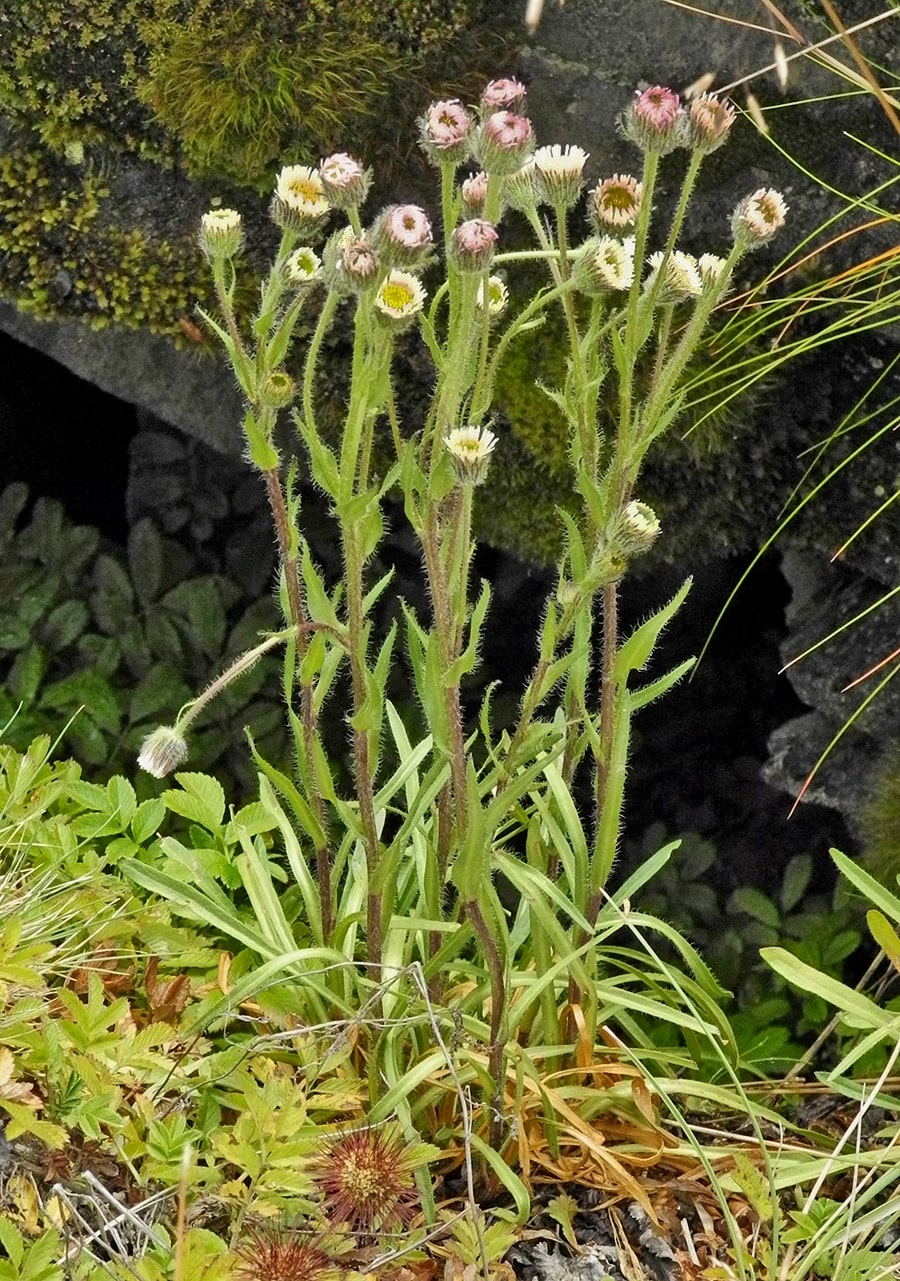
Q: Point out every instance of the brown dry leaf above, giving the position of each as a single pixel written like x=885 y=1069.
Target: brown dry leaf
x=168 y=997
x=15 y=1091
x=456 y=1270
x=104 y=960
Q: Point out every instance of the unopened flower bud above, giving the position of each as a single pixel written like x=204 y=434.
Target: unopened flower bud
x=302 y=267
x=359 y=263
x=757 y=218
x=163 y=751
x=402 y=236
x=681 y=279
x=504 y=142
x=472 y=244
x=615 y=202
x=470 y=450
x=299 y=203
x=277 y=390
x=345 y=182
x=221 y=233
x=605 y=265
x=399 y=300
x=474 y=194
x=520 y=190
x=445 y=131
x=709 y=122
x=505 y=94
x=497 y=296
x=638 y=528
x=654 y=120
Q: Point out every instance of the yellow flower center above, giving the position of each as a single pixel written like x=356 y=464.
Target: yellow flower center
x=303 y=189
x=396 y=296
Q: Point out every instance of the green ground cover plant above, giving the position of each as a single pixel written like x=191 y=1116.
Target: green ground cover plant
x=349 y=1027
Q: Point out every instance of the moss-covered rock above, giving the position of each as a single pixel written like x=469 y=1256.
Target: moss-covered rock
x=121 y=119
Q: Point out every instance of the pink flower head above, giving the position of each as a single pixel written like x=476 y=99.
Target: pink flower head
x=616 y=202
x=505 y=141
x=473 y=243
x=444 y=131
x=657 y=107
x=757 y=218
x=654 y=120
x=402 y=236
x=709 y=122
x=506 y=94
x=344 y=180
x=474 y=193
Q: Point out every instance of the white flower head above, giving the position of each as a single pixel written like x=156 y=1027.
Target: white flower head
x=299 y=202
x=497 y=296
x=400 y=298
x=682 y=276
x=606 y=265
x=758 y=217
x=470 y=450
x=559 y=170
x=713 y=272
x=300 y=188
x=163 y=751
x=221 y=233
x=303 y=267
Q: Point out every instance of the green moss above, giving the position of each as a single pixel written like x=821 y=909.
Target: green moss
x=67 y=248
x=240 y=102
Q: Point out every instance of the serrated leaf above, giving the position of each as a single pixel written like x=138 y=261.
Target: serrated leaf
x=198 y=603
x=756 y=904
x=89 y=689
x=161 y=690
x=208 y=794
x=26 y=674
x=147 y=818
x=145 y=560
x=122 y=800
x=64 y=624
x=113 y=599
x=796 y=880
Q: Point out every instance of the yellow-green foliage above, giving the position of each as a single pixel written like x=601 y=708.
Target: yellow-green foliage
x=241 y=103
x=61 y=248
x=219 y=88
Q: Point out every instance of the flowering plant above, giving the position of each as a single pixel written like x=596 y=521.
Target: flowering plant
x=402 y=870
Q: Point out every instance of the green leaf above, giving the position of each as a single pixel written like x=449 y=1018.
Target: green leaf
x=859 y=1010
x=796 y=881
x=638 y=698
x=122 y=800
x=198 y=603
x=89 y=689
x=202 y=800
x=64 y=624
x=145 y=560
x=162 y=690
x=562 y=1209
x=147 y=818
x=756 y=904
x=635 y=653
x=113 y=600
x=874 y=891
x=885 y=936
x=26 y=674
